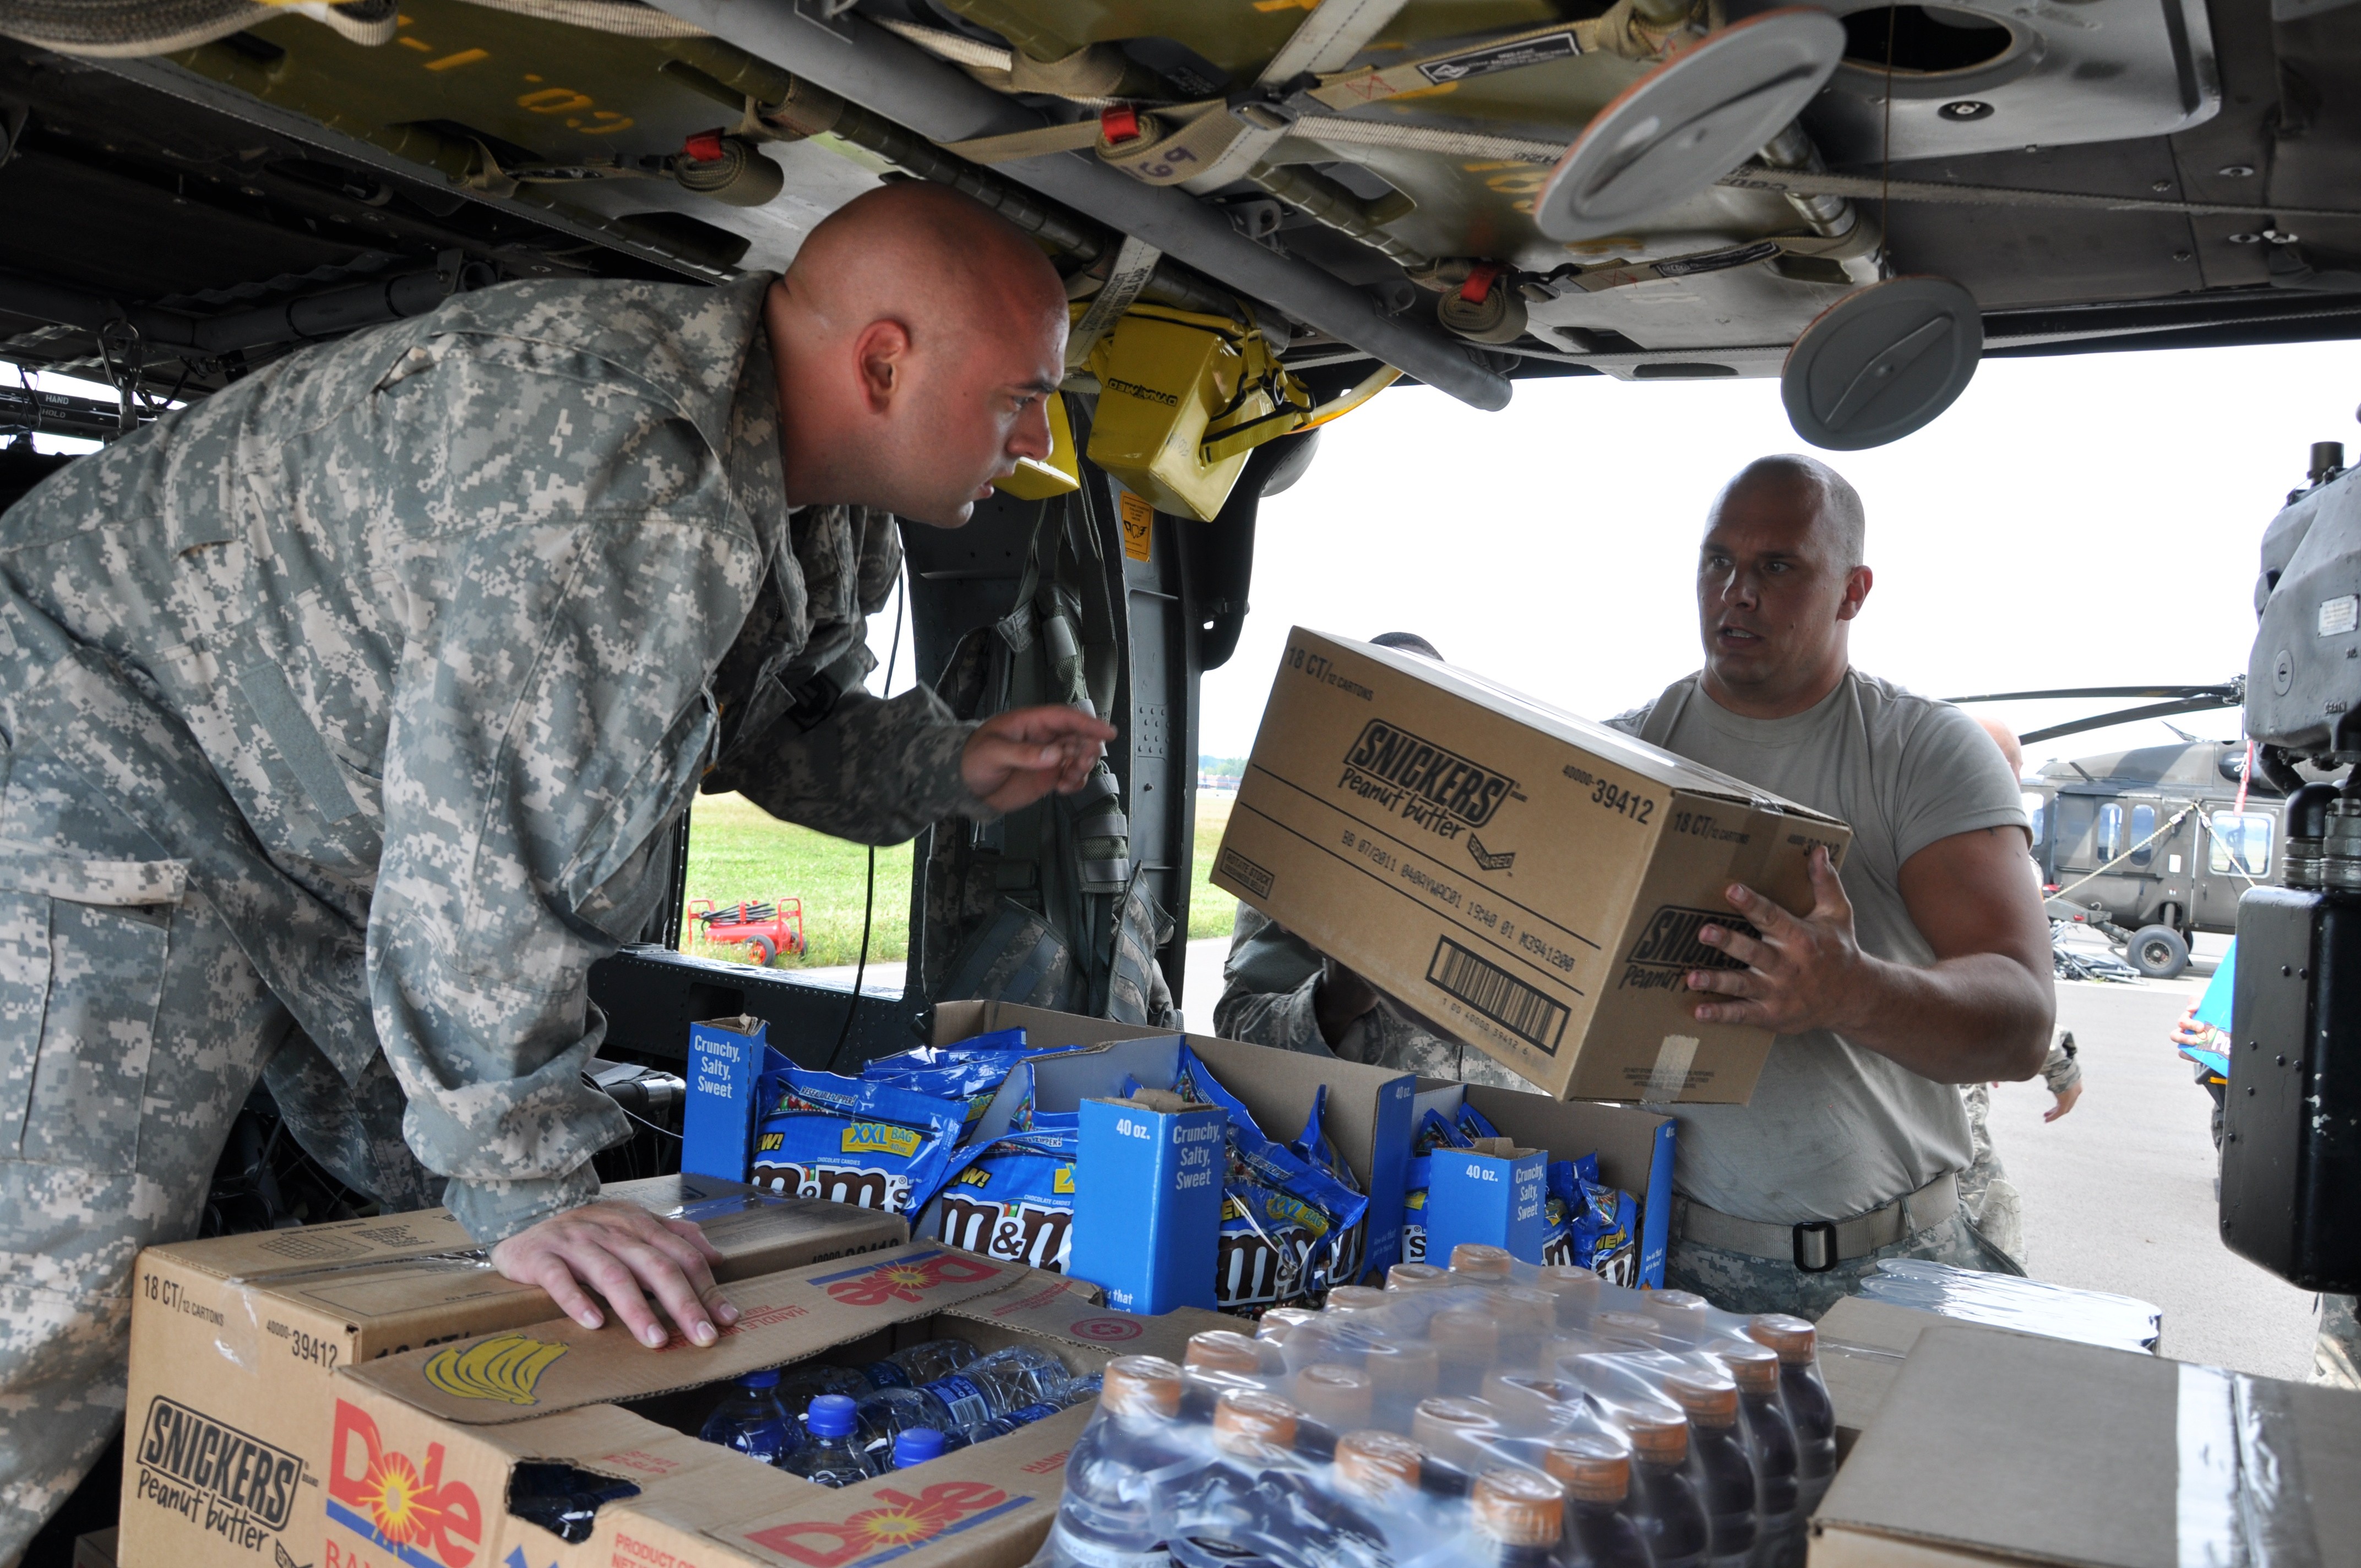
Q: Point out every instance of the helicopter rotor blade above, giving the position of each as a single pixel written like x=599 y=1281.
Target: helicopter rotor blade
x=2226 y=695
x=2124 y=716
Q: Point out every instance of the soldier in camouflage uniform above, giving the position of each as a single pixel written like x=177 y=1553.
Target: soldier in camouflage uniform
x=347 y=713
x=1278 y=989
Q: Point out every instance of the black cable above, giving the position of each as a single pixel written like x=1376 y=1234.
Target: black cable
x=869 y=901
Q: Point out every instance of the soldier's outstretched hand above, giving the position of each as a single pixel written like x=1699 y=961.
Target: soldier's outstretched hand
x=1015 y=758
x=626 y=1255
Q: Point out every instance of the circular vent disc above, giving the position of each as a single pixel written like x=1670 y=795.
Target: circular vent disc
x=1881 y=363
x=1689 y=121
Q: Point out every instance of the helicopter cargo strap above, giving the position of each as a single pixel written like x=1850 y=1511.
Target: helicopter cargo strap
x=1815 y=1246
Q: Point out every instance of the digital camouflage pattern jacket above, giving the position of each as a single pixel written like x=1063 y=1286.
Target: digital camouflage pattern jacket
x=416 y=645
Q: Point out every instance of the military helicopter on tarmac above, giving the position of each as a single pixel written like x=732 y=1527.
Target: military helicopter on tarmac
x=2153 y=845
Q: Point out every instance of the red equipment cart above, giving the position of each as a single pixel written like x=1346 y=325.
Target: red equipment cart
x=768 y=929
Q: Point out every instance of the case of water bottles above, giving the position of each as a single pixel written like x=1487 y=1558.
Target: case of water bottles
x=1489 y=1412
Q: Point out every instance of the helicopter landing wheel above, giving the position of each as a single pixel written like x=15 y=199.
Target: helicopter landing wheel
x=2158 y=952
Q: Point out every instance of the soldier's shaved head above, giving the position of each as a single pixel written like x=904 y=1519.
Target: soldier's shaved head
x=2005 y=739
x=1780 y=577
x=917 y=334
x=1831 y=498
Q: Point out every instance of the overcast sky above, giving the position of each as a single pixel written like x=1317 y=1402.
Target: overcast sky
x=2084 y=519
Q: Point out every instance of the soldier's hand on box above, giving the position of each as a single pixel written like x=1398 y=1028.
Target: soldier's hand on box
x=1014 y=759
x=1801 y=973
x=1340 y=999
x=625 y=1254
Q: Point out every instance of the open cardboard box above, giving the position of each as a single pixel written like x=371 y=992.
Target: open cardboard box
x=421 y=1458
x=1370 y=1111
x=1531 y=880
x=235 y=1341
x=1995 y=1448
x=1635 y=1149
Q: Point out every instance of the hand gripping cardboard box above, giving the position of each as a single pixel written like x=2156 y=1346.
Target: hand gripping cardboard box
x=234 y=1340
x=1994 y=1448
x=421 y=1458
x=1531 y=880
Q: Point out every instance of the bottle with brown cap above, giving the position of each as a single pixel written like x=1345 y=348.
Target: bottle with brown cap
x=1402 y=1373
x=1461 y=1433
x=1596 y=1473
x=1380 y=1469
x=1473 y=1261
x=1467 y=1343
x=1334 y=1400
x=1772 y=1441
x=1105 y=1519
x=1356 y=1299
x=1517 y=1517
x=1663 y=1503
x=1809 y=1411
x=1725 y=1474
x=1416 y=1276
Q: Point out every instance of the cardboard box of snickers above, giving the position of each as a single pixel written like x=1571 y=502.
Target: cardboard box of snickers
x=1532 y=882
x=236 y=1342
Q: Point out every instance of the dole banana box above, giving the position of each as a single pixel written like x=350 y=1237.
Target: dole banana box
x=420 y=1453
x=235 y=1342
x=1532 y=882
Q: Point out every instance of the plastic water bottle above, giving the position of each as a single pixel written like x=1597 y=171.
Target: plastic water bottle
x=1596 y=1475
x=881 y=1418
x=1809 y=1409
x=1725 y=1474
x=1105 y=1519
x=915 y=1365
x=1664 y=1504
x=751 y=1420
x=799 y=1386
x=917 y=1446
x=1467 y=1343
x=1772 y=1441
x=830 y=1456
x=995 y=1384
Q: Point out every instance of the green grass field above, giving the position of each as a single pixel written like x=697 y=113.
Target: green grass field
x=737 y=852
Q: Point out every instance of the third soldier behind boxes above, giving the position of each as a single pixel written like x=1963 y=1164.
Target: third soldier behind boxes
x=1278 y=990
x=1925 y=964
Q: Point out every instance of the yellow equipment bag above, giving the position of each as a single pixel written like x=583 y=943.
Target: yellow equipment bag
x=1058 y=474
x=1182 y=399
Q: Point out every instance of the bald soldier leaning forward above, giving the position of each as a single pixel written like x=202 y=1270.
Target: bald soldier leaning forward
x=347 y=713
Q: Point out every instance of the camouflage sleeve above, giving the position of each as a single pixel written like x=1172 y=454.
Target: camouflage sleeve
x=1270 y=981
x=547 y=730
x=877 y=770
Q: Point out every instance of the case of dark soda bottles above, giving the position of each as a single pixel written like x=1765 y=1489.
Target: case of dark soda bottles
x=1492 y=1412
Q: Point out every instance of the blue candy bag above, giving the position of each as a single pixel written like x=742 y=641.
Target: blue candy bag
x=1014 y=1198
x=970 y=1071
x=1474 y=1125
x=1283 y=1218
x=874 y=1146
x=1590 y=1224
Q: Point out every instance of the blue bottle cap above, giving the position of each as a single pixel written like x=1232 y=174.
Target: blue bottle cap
x=830 y=1415
x=917 y=1446
x=767 y=1378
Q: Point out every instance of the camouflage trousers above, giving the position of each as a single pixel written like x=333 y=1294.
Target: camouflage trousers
x=1985 y=1190
x=2337 y=1352
x=132 y=1028
x=1737 y=1282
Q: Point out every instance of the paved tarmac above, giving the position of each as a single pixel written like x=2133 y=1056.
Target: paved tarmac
x=2119 y=1193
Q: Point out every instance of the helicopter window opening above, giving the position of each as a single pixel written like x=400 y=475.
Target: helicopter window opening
x=2111 y=832
x=2143 y=824
x=1927 y=39
x=2034 y=813
x=2241 y=843
x=2075 y=813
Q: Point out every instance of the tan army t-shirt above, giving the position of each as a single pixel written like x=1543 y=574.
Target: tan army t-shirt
x=1835 y=1130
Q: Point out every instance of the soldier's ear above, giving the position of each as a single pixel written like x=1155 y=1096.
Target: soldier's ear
x=882 y=360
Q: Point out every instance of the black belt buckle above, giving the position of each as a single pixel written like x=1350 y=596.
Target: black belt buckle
x=1815 y=1246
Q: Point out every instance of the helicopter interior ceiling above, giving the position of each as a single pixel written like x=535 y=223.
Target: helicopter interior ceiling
x=195 y=186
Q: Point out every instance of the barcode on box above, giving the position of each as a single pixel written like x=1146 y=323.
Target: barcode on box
x=1254 y=878
x=1532 y=1015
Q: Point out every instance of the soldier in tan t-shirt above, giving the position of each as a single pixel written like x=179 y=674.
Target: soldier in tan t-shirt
x=1924 y=965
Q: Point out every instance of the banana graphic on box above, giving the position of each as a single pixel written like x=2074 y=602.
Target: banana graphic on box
x=506 y=1366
